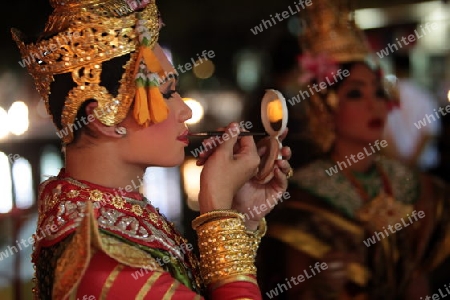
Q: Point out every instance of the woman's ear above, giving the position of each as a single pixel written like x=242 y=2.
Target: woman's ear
x=94 y=124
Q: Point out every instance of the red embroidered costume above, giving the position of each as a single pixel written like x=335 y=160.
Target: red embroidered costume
x=105 y=243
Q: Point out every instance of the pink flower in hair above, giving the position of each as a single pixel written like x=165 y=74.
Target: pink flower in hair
x=132 y=4
x=137 y=4
x=318 y=68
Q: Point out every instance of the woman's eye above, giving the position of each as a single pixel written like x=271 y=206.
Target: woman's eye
x=354 y=94
x=169 y=94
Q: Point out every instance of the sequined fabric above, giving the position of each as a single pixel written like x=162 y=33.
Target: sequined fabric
x=126 y=227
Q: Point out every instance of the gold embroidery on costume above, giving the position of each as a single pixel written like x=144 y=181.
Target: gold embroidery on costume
x=128 y=254
x=148 y=285
x=383 y=211
x=118 y=202
x=299 y=240
x=96 y=195
x=73 y=194
x=110 y=281
x=171 y=290
x=73 y=261
x=137 y=209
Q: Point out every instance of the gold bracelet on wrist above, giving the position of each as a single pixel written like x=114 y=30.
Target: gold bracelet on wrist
x=215 y=214
x=262 y=229
x=226 y=249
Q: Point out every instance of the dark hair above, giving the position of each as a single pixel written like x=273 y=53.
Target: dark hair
x=112 y=71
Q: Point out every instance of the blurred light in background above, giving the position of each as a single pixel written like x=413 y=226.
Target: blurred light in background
x=434 y=40
x=205 y=69
x=296 y=26
x=225 y=106
x=6 y=201
x=162 y=187
x=222 y=106
x=197 y=110
x=51 y=162
x=248 y=69
x=4 y=128
x=370 y=18
x=23 y=183
x=18 y=118
x=191 y=180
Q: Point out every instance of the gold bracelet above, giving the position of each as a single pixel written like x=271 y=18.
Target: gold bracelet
x=215 y=214
x=226 y=249
x=261 y=231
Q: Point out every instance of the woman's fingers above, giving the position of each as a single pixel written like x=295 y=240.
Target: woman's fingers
x=286 y=153
x=283 y=135
x=284 y=166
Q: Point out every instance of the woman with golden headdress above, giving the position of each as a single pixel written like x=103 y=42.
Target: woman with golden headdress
x=111 y=93
x=357 y=225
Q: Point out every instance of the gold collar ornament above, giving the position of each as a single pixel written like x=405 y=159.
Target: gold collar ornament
x=82 y=34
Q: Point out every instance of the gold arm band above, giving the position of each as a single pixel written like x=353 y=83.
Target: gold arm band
x=261 y=231
x=226 y=249
x=215 y=214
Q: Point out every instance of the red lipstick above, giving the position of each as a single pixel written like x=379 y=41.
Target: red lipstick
x=184 y=137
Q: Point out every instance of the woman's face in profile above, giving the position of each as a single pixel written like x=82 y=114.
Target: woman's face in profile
x=362 y=111
x=160 y=144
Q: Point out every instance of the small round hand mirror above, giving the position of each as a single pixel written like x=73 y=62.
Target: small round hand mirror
x=274 y=115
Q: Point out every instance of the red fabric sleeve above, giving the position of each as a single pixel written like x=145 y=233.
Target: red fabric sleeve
x=237 y=290
x=106 y=278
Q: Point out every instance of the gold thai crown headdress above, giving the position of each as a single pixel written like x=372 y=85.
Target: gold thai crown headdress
x=330 y=37
x=330 y=29
x=82 y=34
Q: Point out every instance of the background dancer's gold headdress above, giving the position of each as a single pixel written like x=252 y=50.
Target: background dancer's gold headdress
x=82 y=34
x=331 y=30
x=331 y=38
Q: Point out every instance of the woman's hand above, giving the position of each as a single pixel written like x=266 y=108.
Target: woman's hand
x=257 y=200
x=226 y=168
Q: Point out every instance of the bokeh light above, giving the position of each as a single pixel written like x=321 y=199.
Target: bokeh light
x=197 y=110
x=18 y=118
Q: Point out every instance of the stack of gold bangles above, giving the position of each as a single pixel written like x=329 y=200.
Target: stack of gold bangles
x=227 y=250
